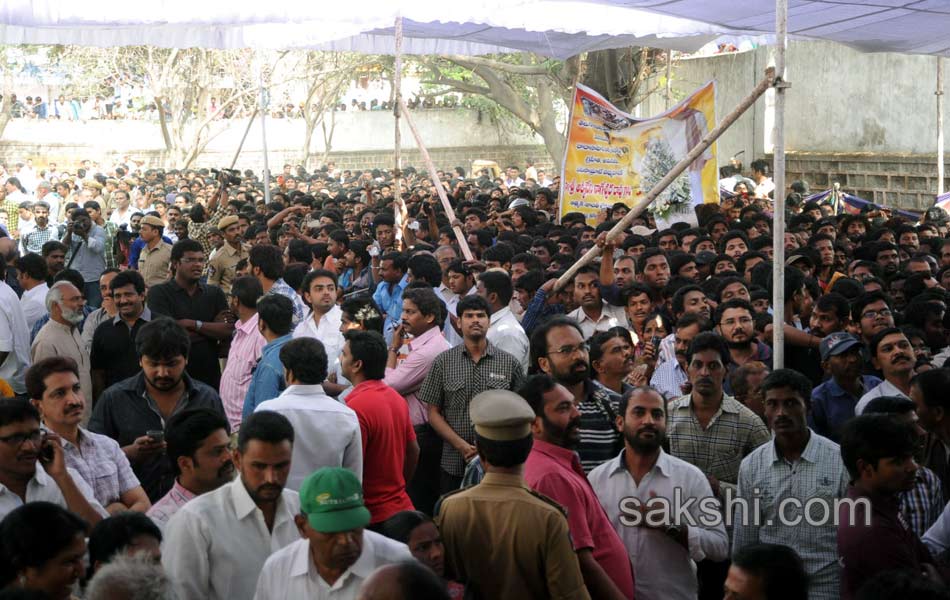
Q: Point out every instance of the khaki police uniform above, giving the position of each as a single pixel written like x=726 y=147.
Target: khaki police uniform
x=502 y=539
x=223 y=265
x=154 y=262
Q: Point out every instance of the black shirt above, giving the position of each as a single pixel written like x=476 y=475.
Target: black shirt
x=171 y=300
x=124 y=412
x=113 y=348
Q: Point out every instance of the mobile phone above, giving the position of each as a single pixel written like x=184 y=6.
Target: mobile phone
x=156 y=435
x=47 y=453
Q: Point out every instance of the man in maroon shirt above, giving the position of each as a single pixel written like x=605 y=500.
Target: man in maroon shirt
x=878 y=452
x=554 y=469
x=390 y=451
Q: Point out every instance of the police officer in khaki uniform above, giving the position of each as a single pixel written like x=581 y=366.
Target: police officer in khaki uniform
x=502 y=539
x=156 y=256
x=221 y=269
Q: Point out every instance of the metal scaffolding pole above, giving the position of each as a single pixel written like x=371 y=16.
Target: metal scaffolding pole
x=939 y=93
x=778 y=153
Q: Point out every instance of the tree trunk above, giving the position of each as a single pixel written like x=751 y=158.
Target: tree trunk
x=6 y=109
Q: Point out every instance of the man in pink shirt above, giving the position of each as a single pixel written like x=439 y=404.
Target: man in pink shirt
x=390 y=451
x=245 y=347
x=422 y=318
x=198 y=445
x=554 y=469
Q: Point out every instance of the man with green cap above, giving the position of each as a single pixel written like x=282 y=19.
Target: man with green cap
x=502 y=539
x=336 y=553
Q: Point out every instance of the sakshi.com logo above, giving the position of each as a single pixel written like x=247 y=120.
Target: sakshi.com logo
x=690 y=511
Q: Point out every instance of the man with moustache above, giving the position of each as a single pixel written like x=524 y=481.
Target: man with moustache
x=558 y=348
x=133 y=410
x=688 y=299
x=833 y=402
x=457 y=376
x=670 y=378
x=198 y=443
x=216 y=545
x=735 y=322
x=553 y=469
x=798 y=464
x=112 y=353
x=892 y=353
x=593 y=313
x=663 y=551
x=43 y=232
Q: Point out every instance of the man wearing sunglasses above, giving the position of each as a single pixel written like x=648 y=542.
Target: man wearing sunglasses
x=33 y=466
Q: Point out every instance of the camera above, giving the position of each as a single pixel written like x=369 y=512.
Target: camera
x=233 y=175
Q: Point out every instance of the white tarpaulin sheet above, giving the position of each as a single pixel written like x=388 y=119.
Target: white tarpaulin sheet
x=551 y=28
x=906 y=26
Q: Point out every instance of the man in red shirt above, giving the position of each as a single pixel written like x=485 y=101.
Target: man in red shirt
x=390 y=451
x=554 y=469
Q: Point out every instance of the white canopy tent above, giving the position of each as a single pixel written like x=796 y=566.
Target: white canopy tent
x=555 y=28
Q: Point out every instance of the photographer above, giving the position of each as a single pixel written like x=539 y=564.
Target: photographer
x=87 y=247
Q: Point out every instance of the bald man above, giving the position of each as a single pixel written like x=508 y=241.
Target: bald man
x=403 y=581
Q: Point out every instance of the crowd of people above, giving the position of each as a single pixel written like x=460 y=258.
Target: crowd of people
x=345 y=392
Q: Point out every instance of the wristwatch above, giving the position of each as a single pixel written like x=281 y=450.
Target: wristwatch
x=198 y=325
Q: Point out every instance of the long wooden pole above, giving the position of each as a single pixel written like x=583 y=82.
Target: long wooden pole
x=246 y=131
x=778 y=174
x=675 y=172
x=430 y=167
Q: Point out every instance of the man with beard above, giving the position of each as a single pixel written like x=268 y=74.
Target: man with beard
x=202 y=310
x=558 y=348
x=886 y=256
x=553 y=469
x=892 y=353
x=797 y=466
x=878 y=452
x=43 y=232
x=833 y=402
x=133 y=411
x=663 y=551
x=735 y=320
x=216 y=545
x=55 y=255
x=713 y=431
x=198 y=443
x=60 y=336
x=458 y=375
x=654 y=270
x=612 y=360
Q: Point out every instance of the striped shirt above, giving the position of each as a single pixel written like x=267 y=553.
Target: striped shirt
x=770 y=479
x=922 y=505
x=599 y=439
x=732 y=433
x=669 y=378
x=454 y=380
x=280 y=287
x=242 y=358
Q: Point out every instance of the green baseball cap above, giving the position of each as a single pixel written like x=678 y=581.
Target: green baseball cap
x=332 y=499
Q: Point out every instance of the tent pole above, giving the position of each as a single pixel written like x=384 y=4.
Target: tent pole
x=434 y=177
x=400 y=205
x=940 y=189
x=263 y=111
x=640 y=205
x=778 y=153
x=669 y=75
x=246 y=131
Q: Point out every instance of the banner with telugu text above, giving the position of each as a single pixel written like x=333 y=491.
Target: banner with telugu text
x=613 y=157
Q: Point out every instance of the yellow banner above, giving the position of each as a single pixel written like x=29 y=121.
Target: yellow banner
x=613 y=157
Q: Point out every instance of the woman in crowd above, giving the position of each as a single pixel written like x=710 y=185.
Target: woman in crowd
x=418 y=531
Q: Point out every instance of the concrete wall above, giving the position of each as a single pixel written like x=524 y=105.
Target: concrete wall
x=360 y=139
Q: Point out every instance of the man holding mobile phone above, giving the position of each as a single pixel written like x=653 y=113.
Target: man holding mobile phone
x=33 y=466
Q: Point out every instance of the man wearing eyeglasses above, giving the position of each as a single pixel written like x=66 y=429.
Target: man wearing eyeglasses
x=201 y=309
x=734 y=320
x=33 y=466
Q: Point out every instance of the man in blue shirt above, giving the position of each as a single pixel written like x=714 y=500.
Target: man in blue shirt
x=275 y=322
x=833 y=402
x=388 y=296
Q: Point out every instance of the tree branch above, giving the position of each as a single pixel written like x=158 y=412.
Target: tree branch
x=496 y=65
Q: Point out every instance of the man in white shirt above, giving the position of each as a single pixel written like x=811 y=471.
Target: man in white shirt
x=663 y=555
x=504 y=330
x=892 y=353
x=216 y=544
x=323 y=322
x=122 y=215
x=14 y=338
x=24 y=477
x=31 y=275
x=337 y=553
x=328 y=433
x=461 y=283
x=593 y=313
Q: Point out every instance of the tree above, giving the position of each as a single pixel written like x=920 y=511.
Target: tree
x=536 y=90
x=181 y=83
